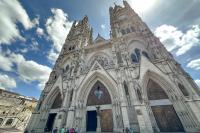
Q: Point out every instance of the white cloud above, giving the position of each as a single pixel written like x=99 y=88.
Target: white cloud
x=194 y=64
x=11 y=13
x=169 y=35
x=198 y=82
x=36 y=21
x=7 y=82
x=34 y=46
x=52 y=55
x=25 y=50
x=29 y=70
x=57 y=27
x=39 y=31
x=140 y=7
x=174 y=39
x=189 y=40
x=6 y=64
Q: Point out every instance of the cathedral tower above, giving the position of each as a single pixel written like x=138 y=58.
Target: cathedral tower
x=127 y=81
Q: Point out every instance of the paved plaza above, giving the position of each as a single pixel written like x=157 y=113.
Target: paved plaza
x=10 y=130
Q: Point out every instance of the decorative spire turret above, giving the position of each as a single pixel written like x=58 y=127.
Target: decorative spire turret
x=124 y=20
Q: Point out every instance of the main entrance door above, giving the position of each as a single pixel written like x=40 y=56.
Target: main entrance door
x=99 y=97
x=50 y=122
x=106 y=120
x=167 y=119
x=164 y=112
x=91 y=120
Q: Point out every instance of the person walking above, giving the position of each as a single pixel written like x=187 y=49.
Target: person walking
x=66 y=130
x=55 y=130
x=132 y=130
x=70 y=130
x=62 y=130
x=127 y=130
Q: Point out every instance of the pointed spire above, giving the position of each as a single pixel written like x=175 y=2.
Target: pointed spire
x=85 y=19
x=91 y=37
x=126 y=4
x=74 y=24
x=99 y=38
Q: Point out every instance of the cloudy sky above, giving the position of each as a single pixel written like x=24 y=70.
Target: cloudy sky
x=32 y=34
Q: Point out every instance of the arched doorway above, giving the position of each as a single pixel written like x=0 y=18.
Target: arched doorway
x=164 y=113
x=57 y=103
x=1 y=121
x=9 y=122
x=99 y=103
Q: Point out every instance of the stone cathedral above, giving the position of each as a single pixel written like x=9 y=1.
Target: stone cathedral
x=127 y=81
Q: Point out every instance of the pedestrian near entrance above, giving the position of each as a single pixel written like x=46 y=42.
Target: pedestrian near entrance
x=131 y=130
x=55 y=130
x=62 y=130
x=127 y=130
x=70 y=130
x=66 y=130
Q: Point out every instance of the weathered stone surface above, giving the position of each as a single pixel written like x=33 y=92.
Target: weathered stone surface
x=132 y=56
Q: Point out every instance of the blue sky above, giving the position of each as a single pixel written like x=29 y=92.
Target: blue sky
x=32 y=34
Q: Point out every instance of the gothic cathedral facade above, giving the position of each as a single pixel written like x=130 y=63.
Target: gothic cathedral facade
x=130 y=80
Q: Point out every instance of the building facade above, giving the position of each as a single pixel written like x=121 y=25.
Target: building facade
x=130 y=80
x=15 y=110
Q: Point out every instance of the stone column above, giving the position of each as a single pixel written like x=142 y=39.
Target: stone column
x=42 y=120
x=144 y=119
x=71 y=112
x=98 y=119
x=195 y=107
x=114 y=110
x=124 y=106
x=59 y=118
x=141 y=112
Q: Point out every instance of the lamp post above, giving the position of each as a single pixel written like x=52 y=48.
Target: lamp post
x=98 y=93
x=98 y=119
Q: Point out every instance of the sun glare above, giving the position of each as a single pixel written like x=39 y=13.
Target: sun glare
x=142 y=6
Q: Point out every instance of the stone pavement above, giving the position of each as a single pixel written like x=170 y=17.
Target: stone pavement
x=10 y=130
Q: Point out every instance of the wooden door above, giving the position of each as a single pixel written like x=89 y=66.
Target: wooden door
x=167 y=119
x=106 y=120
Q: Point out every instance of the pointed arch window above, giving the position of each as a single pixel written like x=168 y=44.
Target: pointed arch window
x=155 y=91
x=119 y=58
x=1 y=121
x=128 y=30
x=67 y=68
x=9 y=122
x=71 y=95
x=134 y=58
x=57 y=102
x=145 y=54
x=123 y=32
x=137 y=52
x=132 y=29
x=139 y=95
x=126 y=88
x=183 y=90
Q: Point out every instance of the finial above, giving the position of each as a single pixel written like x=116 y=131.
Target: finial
x=126 y=4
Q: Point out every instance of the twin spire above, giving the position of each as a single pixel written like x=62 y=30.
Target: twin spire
x=83 y=27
